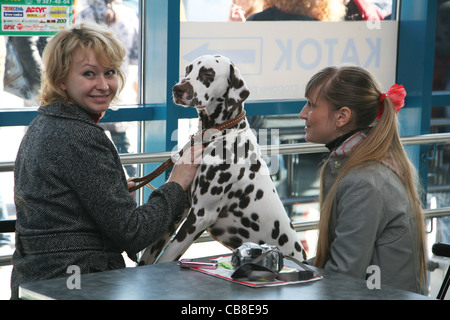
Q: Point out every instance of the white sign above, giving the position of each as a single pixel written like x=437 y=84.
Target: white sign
x=277 y=58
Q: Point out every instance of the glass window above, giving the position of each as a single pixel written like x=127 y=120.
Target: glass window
x=277 y=53
x=438 y=177
x=442 y=47
x=266 y=10
x=20 y=67
x=23 y=64
x=440 y=115
x=278 y=46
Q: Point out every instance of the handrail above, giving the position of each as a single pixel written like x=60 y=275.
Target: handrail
x=314 y=224
x=294 y=148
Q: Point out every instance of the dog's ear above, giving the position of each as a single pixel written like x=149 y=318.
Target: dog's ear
x=238 y=91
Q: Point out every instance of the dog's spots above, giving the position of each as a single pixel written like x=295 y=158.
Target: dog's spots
x=255 y=166
x=249 y=224
x=224 y=177
x=244 y=94
x=235 y=82
x=249 y=189
x=246 y=222
x=255 y=226
x=217 y=111
x=206 y=76
x=244 y=233
x=243 y=196
x=223 y=212
x=158 y=246
x=255 y=216
x=283 y=239
x=204 y=185
x=216 y=190
x=211 y=173
x=189 y=69
x=232 y=230
x=201 y=212
x=236 y=213
x=187 y=228
x=276 y=229
x=227 y=188
x=241 y=173
x=216 y=232
x=244 y=201
x=259 y=194
x=233 y=242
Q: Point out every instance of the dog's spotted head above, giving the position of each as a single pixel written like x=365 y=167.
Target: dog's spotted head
x=212 y=84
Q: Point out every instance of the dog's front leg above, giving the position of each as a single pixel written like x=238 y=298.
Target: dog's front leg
x=193 y=227
x=152 y=252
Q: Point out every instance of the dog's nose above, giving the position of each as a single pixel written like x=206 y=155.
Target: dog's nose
x=179 y=89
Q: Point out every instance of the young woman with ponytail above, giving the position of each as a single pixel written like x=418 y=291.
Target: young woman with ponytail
x=370 y=210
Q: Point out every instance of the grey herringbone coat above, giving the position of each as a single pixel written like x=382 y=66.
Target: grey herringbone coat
x=72 y=201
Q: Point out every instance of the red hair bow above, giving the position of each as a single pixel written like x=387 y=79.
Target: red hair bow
x=397 y=95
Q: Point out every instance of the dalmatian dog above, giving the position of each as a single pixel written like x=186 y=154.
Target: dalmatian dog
x=233 y=196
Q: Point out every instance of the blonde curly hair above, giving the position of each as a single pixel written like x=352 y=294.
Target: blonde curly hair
x=58 y=55
x=324 y=10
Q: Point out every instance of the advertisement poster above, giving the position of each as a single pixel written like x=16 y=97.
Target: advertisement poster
x=34 y=17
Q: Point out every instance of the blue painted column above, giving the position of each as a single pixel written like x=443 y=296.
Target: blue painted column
x=160 y=67
x=417 y=29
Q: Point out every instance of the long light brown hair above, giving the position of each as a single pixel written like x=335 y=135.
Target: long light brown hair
x=355 y=88
x=58 y=54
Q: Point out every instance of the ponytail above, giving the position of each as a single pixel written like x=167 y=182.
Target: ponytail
x=382 y=142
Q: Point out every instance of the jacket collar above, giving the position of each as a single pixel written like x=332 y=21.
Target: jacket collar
x=346 y=148
x=348 y=145
x=67 y=111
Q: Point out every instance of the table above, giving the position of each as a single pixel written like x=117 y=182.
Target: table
x=168 y=281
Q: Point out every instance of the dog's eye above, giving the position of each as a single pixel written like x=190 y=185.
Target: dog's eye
x=207 y=73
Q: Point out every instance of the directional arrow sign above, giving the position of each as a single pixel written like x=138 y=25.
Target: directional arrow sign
x=245 y=52
x=238 y=56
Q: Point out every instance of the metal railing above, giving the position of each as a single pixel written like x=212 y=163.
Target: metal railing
x=295 y=148
x=314 y=224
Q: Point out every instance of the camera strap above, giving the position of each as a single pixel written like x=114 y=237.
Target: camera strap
x=255 y=272
x=299 y=275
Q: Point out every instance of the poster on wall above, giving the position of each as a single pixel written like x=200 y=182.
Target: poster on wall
x=34 y=17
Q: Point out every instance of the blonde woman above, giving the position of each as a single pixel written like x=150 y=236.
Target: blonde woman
x=370 y=212
x=323 y=10
x=71 y=195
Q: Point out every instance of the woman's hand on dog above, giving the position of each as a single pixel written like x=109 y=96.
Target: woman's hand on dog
x=185 y=169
